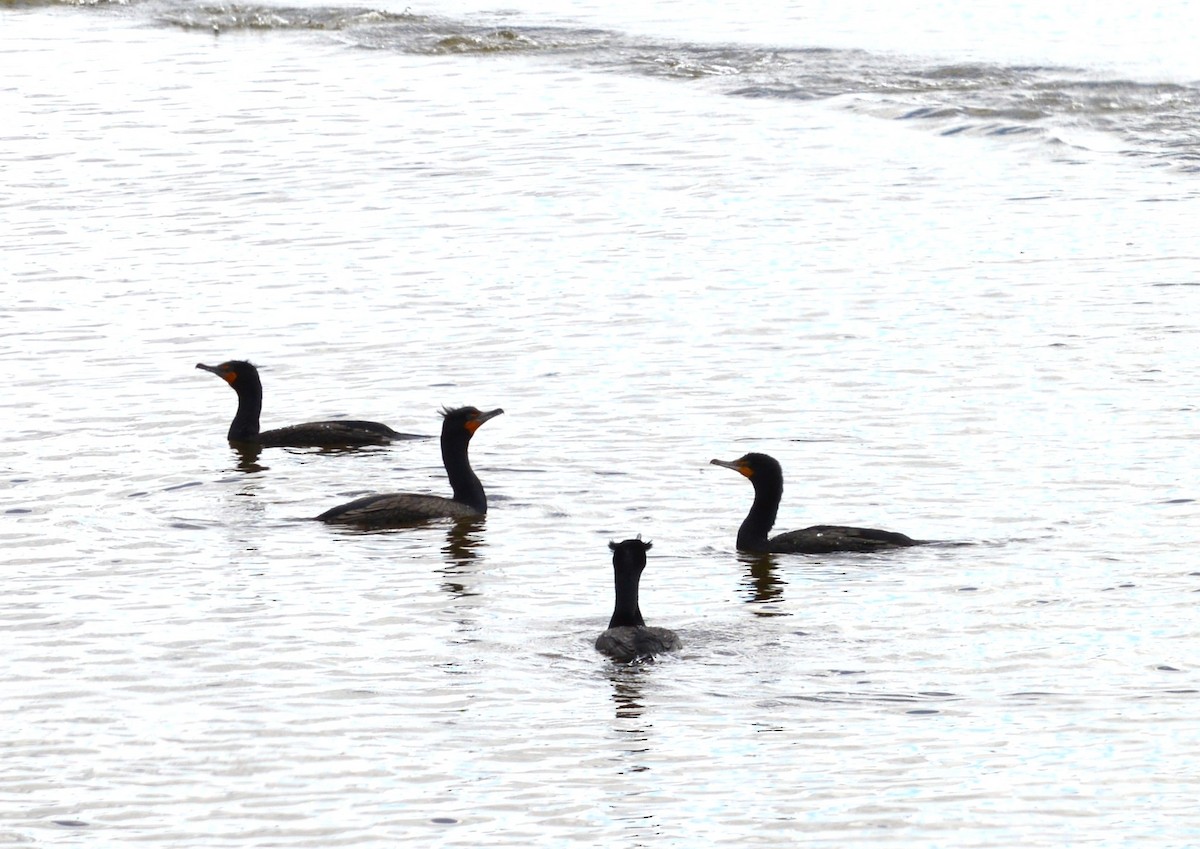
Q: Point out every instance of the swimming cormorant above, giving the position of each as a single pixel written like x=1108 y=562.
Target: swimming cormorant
x=767 y=476
x=406 y=508
x=628 y=638
x=338 y=433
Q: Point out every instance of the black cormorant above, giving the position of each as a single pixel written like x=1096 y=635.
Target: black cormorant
x=767 y=476
x=338 y=433
x=406 y=508
x=628 y=638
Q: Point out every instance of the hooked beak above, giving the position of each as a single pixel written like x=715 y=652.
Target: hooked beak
x=475 y=423
x=737 y=465
x=226 y=374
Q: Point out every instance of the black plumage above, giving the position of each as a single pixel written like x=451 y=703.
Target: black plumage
x=335 y=433
x=767 y=476
x=628 y=637
x=398 y=509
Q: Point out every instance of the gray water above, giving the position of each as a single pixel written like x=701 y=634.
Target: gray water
x=943 y=315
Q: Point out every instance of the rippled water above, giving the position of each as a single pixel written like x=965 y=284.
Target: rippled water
x=982 y=336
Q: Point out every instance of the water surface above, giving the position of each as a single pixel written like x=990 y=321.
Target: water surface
x=952 y=291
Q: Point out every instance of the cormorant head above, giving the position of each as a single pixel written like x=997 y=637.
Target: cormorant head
x=234 y=372
x=630 y=552
x=751 y=464
x=469 y=419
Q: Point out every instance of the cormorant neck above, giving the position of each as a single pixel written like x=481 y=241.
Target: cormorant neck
x=626 y=610
x=768 y=490
x=467 y=488
x=245 y=423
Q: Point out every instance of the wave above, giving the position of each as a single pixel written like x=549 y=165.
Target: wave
x=1069 y=108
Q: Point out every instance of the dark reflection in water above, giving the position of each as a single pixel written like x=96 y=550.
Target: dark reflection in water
x=630 y=726
x=763 y=581
x=249 y=452
x=461 y=551
x=248 y=458
x=627 y=691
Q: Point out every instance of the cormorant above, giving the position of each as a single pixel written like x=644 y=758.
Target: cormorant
x=406 y=508
x=767 y=476
x=628 y=638
x=338 y=433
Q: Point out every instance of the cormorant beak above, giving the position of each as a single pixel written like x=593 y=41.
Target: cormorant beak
x=225 y=374
x=737 y=465
x=475 y=423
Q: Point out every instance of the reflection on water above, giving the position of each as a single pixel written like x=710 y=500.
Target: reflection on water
x=248 y=455
x=461 y=550
x=764 y=582
x=627 y=691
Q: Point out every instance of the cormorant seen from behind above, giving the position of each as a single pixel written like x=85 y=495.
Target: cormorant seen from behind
x=628 y=637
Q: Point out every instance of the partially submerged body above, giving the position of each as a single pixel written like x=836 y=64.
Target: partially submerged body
x=767 y=476
x=243 y=377
x=398 y=509
x=628 y=638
